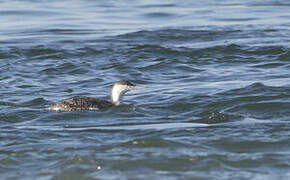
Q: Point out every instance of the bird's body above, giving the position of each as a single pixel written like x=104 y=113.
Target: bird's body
x=81 y=103
x=89 y=103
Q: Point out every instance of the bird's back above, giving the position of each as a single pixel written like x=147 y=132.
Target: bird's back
x=80 y=103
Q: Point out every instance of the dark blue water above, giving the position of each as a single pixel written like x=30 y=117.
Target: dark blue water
x=215 y=106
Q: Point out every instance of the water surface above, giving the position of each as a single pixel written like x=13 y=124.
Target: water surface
x=215 y=106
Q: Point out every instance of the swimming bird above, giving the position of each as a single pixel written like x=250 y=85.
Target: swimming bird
x=89 y=103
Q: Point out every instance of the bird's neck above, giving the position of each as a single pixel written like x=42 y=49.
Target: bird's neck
x=116 y=94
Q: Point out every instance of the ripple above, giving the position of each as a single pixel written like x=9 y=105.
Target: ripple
x=257 y=101
x=284 y=56
x=123 y=127
x=29 y=12
x=271 y=50
x=149 y=142
x=34 y=102
x=67 y=68
x=268 y=65
x=159 y=15
x=157 y=5
x=235 y=19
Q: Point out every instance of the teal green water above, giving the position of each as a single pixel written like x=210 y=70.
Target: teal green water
x=215 y=106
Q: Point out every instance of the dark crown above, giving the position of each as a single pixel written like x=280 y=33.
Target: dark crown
x=124 y=82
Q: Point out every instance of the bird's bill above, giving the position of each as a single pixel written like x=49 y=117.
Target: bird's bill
x=136 y=87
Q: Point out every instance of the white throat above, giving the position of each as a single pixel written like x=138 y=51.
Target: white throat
x=116 y=92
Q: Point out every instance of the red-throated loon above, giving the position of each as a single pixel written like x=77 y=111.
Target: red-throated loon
x=89 y=103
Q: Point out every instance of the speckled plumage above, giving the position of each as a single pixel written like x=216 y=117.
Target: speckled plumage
x=80 y=103
x=89 y=103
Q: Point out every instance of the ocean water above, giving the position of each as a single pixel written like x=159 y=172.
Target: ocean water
x=216 y=103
